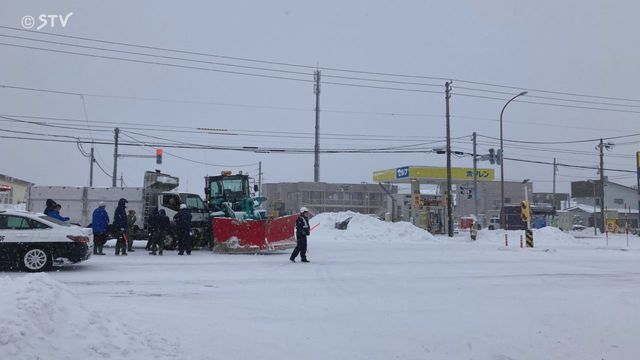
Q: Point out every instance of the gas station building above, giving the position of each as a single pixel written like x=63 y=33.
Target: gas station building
x=427 y=209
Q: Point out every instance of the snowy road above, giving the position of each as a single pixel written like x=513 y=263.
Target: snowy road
x=359 y=299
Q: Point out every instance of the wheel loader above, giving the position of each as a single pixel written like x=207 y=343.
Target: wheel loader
x=238 y=224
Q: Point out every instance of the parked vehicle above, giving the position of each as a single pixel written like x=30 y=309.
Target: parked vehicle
x=35 y=242
x=78 y=203
x=539 y=216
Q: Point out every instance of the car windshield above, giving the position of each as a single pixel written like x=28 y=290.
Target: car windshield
x=54 y=220
x=194 y=202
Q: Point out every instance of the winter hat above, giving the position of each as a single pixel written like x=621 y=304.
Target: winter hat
x=102 y=204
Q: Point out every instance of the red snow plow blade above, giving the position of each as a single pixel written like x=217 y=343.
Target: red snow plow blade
x=233 y=235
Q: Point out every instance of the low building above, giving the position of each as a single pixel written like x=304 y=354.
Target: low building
x=556 y=200
x=13 y=190
x=616 y=196
x=489 y=202
x=319 y=197
x=617 y=219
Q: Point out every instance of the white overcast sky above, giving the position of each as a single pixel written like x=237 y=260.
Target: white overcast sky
x=585 y=47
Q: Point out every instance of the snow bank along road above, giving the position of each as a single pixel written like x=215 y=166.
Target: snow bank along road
x=404 y=295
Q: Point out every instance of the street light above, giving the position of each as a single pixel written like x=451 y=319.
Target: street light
x=502 y=225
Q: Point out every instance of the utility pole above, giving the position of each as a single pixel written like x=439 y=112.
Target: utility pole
x=555 y=170
x=475 y=177
x=447 y=96
x=260 y=177
x=638 y=168
x=601 y=146
x=316 y=149
x=115 y=158
x=91 y=161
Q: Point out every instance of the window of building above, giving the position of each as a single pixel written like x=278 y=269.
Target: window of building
x=618 y=201
x=316 y=196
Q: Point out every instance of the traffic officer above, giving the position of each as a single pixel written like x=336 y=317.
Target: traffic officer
x=302 y=231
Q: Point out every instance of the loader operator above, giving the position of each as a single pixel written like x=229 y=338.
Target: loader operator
x=302 y=231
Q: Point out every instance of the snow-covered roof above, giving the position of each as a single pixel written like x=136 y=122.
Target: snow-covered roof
x=589 y=209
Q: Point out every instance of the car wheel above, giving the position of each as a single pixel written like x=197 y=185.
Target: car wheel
x=36 y=260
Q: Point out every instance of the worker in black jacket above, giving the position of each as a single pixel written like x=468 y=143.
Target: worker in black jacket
x=161 y=224
x=302 y=231
x=183 y=228
x=151 y=227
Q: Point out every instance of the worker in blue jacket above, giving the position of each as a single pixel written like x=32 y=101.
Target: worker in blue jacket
x=55 y=213
x=99 y=224
x=120 y=224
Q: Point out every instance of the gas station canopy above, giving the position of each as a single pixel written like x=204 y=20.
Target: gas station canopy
x=425 y=174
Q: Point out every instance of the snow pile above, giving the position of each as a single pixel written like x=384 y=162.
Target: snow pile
x=546 y=236
x=42 y=319
x=18 y=207
x=364 y=227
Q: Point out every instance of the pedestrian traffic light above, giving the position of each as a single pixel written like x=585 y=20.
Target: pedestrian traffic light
x=499 y=157
x=492 y=156
x=525 y=211
x=158 y=156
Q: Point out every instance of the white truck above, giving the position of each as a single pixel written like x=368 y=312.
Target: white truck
x=79 y=202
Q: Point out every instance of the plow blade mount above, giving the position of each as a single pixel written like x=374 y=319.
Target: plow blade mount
x=251 y=236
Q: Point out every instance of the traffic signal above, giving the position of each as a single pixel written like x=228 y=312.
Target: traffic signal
x=492 y=156
x=158 y=156
x=525 y=211
x=499 y=157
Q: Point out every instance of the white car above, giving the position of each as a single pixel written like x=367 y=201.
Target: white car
x=34 y=242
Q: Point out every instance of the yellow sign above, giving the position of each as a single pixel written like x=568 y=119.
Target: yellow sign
x=384 y=175
x=431 y=173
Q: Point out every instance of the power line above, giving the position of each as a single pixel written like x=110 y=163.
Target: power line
x=214 y=70
x=284 y=108
x=314 y=67
x=549 y=97
x=568 y=165
x=240 y=132
x=547 y=103
x=219 y=63
x=561 y=142
x=190 y=160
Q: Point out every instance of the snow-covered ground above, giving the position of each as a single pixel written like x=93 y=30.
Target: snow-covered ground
x=373 y=291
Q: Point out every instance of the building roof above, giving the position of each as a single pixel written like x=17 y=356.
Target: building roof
x=8 y=178
x=589 y=209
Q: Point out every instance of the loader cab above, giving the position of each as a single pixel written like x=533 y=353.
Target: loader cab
x=227 y=188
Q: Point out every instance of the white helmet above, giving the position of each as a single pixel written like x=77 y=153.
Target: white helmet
x=183 y=206
x=303 y=209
